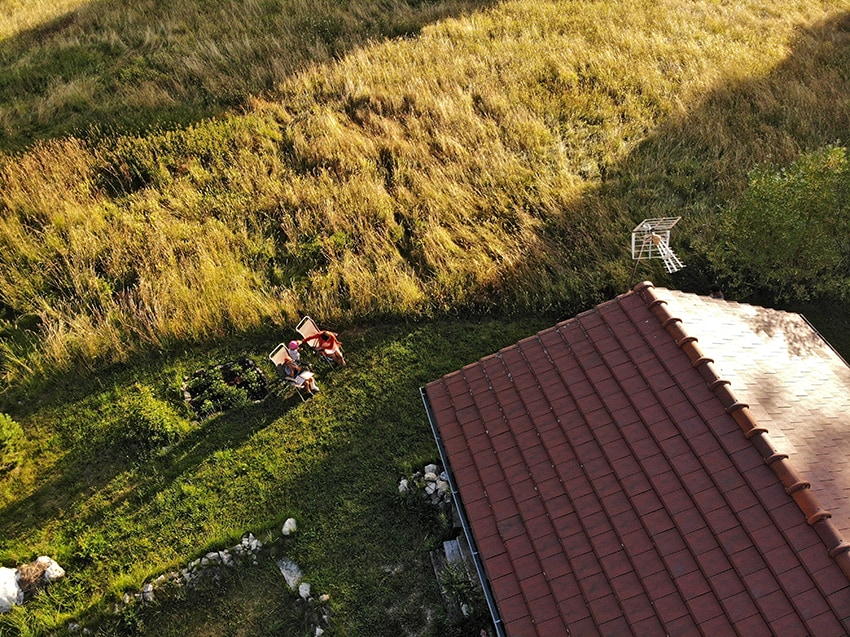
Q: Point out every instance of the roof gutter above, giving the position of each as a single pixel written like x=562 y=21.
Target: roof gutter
x=464 y=521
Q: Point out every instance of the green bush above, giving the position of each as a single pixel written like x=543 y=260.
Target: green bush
x=226 y=386
x=11 y=437
x=789 y=237
x=144 y=422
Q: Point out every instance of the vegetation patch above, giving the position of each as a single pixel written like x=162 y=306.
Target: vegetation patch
x=141 y=422
x=226 y=386
x=11 y=437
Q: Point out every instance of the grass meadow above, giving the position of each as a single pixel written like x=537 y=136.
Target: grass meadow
x=181 y=181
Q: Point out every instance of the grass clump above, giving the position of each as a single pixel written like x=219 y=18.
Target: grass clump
x=143 y=422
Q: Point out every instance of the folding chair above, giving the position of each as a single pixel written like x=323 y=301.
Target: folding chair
x=307 y=328
x=278 y=357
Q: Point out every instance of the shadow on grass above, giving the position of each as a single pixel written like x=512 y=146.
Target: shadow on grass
x=357 y=540
x=94 y=459
x=110 y=67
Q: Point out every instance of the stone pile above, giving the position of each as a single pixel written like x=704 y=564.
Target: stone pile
x=208 y=568
x=433 y=485
x=212 y=566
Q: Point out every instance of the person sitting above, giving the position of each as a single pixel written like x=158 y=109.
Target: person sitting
x=295 y=354
x=300 y=377
x=327 y=344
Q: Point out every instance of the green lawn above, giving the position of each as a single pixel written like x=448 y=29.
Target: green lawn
x=116 y=516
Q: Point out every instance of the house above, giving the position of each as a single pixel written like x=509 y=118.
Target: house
x=663 y=464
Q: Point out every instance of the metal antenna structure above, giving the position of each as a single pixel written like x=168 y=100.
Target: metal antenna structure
x=651 y=240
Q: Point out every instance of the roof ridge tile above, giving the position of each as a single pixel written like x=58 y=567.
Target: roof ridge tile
x=799 y=490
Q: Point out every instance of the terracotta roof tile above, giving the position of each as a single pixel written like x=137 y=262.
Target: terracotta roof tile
x=616 y=483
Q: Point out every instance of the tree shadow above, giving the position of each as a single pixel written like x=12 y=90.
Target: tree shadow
x=108 y=67
x=357 y=539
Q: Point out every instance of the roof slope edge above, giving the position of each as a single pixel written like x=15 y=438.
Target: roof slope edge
x=799 y=490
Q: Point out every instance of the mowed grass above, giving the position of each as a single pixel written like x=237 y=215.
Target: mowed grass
x=386 y=168
x=116 y=519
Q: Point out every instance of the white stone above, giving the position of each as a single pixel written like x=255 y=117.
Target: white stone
x=431 y=468
x=290 y=571
x=319 y=632
x=147 y=592
x=289 y=527
x=430 y=476
x=304 y=590
x=53 y=572
x=430 y=487
x=10 y=593
x=403 y=486
x=442 y=486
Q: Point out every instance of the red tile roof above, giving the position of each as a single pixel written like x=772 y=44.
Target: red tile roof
x=615 y=484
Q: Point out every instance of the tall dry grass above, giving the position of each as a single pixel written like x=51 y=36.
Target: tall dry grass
x=83 y=66
x=497 y=160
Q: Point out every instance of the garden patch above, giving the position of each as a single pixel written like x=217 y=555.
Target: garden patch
x=225 y=386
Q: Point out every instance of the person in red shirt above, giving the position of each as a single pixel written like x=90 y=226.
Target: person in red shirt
x=327 y=344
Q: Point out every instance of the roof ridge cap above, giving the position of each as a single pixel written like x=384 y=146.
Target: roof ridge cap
x=799 y=489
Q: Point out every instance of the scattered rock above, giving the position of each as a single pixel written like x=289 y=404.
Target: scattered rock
x=304 y=590
x=24 y=581
x=289 y=527
x=10 y=593
x=291 y=573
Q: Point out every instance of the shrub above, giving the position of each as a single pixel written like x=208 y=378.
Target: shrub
x=788 y=237
x=11 y=437
x=145 y=422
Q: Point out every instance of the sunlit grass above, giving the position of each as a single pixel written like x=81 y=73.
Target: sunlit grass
x=18 y=16
x=494 y=162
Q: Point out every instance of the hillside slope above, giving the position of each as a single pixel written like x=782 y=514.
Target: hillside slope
x=497 y=161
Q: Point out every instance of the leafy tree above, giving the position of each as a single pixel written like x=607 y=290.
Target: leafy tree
x=789 y=237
